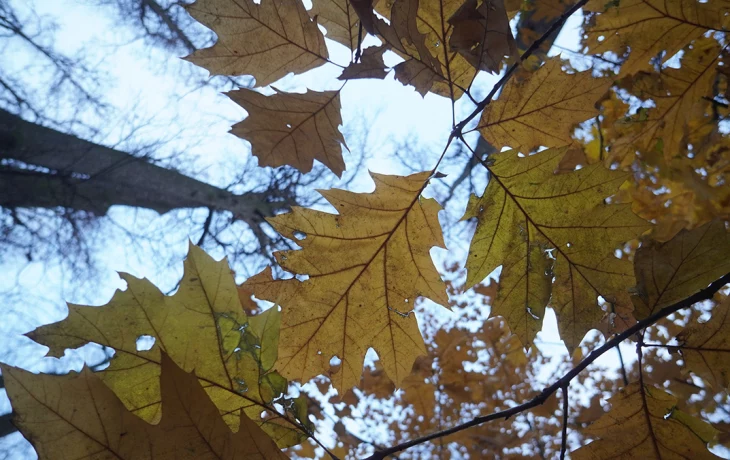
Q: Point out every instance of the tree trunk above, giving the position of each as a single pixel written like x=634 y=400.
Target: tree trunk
x=60 y=170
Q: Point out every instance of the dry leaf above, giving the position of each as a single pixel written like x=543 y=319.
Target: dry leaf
x=202 y=327
x=76 y=416
x=644 y=423
x=482 y=34
x=668 y=272
x=292 y=129
x=543 y=109
x=367 y=265
x=266 y=40
x=538 y=225
x=371 y=65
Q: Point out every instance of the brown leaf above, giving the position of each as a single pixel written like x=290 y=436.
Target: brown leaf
x=340 y=19
x=669 y=272
x=482 y=34
x=644 y=423
x=266 y=40
x=543 y=109
x=292 y=129
x=76 y=416
x=371 y=65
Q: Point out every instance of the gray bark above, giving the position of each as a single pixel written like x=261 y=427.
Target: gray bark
x=61 y=170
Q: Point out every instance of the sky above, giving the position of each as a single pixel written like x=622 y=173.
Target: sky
x=201 y=118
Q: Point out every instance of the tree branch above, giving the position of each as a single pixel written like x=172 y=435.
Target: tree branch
x=704 y=294
x=564 y=437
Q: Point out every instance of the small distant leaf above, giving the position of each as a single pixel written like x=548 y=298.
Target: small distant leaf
x=371 y=65
x=482 y=34
x=668 y=272
x=266 y=40
x=538 y=225
x=650 y=28
x=543 y=109
x=705 y=347
x=367 y=265
x=76 y=416
x=644 y=423
x=292 y=129
x=202 y=327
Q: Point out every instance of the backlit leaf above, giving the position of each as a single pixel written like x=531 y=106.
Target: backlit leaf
x=292 y=129
x=76 y=416
x=644 y=423
x=705 y=347
x=366 y=267
x=201 y=327
x=542 y=109
x=650 y=28
x=538 y=225
x=371 y=65
x=669 y=272
x=266 y=40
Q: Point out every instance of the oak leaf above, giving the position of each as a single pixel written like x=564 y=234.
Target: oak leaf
x=371 y=65
x=292 y=129
x=542 y=109
x=482 y=34
x=202 y=327
x=76 y=416
x=266 y=40
x=339 y=18
x=705 y=347
x=668 y=272
x=650 y=28
x=366 y=267
x=538 y=225
x=644 y=423
x=678 y=97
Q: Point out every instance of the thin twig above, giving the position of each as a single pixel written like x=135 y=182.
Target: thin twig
x=564 y=438
x=704 y=294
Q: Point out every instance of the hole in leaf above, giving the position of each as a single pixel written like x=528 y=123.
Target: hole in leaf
x=299 y=235
x=288 y=125
x=145 y=342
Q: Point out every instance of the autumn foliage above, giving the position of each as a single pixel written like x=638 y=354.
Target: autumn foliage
x=607 y=202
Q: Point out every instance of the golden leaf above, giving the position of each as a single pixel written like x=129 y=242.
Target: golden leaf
x=367 y=266
x=543 y=109
x=202 y=327
x=538 y=225
x=705 y=347
x=644 y=423
x=266 y=40
x=650 y=28
x=371 y=65
x=292 y=129
x=482 y=34
x=678 y=97
x=76 y=416
x=668 y=272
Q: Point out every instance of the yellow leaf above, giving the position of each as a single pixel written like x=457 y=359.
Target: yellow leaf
x=650 y=28
x=678 y=97
x=266 y=40
x=481 y=33
x=668 y=272
x=76 y=416
x=644 y=423
x=705 y=347
x=543 y=109
x=202 y=327
x=367 y=265
x=292 y=129
x=538 y=225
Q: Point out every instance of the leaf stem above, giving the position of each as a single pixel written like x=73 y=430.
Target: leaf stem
x=704 y=294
